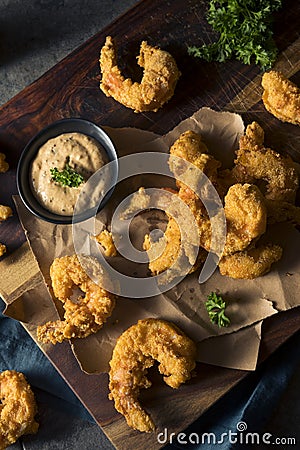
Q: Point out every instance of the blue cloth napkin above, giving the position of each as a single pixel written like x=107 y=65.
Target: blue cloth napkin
x=246 y=408
x=19 y=352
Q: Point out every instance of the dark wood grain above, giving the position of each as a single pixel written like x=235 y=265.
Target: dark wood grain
x=71 y=89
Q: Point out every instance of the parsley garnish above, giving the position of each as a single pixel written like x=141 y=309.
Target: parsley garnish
x=67 y=176
x=245 y=33
x=216 y=306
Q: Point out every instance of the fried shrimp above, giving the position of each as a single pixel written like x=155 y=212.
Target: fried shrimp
x=5 y=212
x=251 y=263
x=245 y=212
x=255 y=162
x=246 y=216
x=17 y=408
x=244 y=204
x=179 y=248
x=2 y=249
x=3 y=164
x=82 y=317
x=281 y=97
x=135 y=351
x=105 y=239
x=157 y=85
x=171 y=250
x=253 y=138
x=246 y=220
x=190 y=147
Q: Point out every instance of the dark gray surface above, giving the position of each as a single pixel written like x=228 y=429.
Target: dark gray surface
x=36 y=34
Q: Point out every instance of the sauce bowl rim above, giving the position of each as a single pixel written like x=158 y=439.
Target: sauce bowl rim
x=66 y=125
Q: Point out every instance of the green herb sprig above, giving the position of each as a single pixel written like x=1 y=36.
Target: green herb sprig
x=67 y=177
x=216 y=306
x=245 y=32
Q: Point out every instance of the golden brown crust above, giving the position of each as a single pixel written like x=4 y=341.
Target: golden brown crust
x=245 y=213
x=3 y=164
x=254 y=162
x=157 y=85
x=2 y=249
x=190 y=147
x=244 y=209
x=17 y=409
x=83 y=316
x=281 y=97
x=246 y=217
x=168 y=257
x=279 y=211
x=251 y=263
x=105 y=239
x=135 y=351
x=5 y=212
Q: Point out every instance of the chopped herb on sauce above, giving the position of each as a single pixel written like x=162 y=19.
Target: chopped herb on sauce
x=67 y=177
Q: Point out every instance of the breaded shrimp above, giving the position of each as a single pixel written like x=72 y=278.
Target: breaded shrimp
x=245 y=213
x=105 y=239
x=190 y=147
x=244 y=208
x=82 y=317
x=2 y=249
x=201 y=216
x=3 y=164
x=253 y=138
x=246 y=216
x=250 y=263
x=282 y=212
x=179 y=248
x=246 y=220
x=281 y=97
x=255 y=162
x=157 y=85
x=17 y=408
x=5 y=212
x=135 y=351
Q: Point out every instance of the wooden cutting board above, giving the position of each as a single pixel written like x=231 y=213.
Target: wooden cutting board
x=71 y=89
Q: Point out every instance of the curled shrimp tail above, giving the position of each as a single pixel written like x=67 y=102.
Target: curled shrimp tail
x=112 y=79
x=135 y=351
x=83 y=316
x=156 y=87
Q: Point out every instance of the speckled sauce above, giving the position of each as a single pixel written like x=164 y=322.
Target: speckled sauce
x=83 y=153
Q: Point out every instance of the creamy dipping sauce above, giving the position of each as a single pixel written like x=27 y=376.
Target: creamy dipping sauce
x=83 y=154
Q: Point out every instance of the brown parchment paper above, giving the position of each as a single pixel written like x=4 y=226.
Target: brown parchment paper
x=249 y=301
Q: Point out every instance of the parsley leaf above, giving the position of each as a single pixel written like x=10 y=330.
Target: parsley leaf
x=67 y=176
x=245 y=33
x=216 y=306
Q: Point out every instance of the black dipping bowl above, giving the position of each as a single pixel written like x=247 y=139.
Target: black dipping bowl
x=30 y=151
